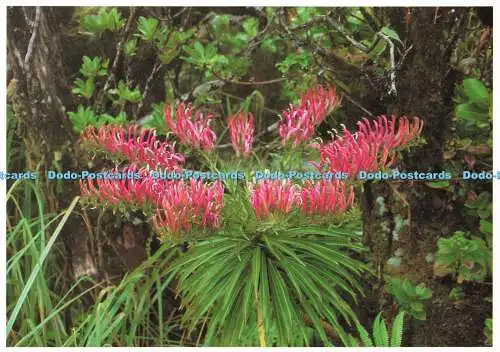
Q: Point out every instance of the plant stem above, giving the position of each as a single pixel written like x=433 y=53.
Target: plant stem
x=260 y=324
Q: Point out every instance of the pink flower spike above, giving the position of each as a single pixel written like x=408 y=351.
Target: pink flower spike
x=137 y=146
x=299 y=122
x=370 y=149
x=350 y=155
x=192 y=127
x=241 y=129
x=326 y=197
x=320 y=102
x=271 y=196
x=296 y=127
x=384 y=131
x=126 y=190
x=182 y=206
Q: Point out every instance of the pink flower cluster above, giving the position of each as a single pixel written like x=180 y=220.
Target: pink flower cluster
x=372 y=147
x=313 y=198
x=241 y=129
x=126 y=190
x=178 y=205
x=273 y=195
x=351 y=155
x=299 y=122
x=192 y=127
x=320 y=102
x=326 y=197
x=138 y=146
x=297 y=126
x=384 y=131
x=184 y=205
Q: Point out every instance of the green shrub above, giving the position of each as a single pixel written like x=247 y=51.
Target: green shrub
x=410 y=298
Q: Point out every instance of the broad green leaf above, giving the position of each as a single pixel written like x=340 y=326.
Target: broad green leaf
x=198 y=47
x=391 y=33
x=476 y=90
x=486 y=226
x=438 y=184
x=251 y=26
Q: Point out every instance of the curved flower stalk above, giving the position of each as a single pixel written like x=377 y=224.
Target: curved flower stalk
x=192 y=127
x=326 y=197
x=372 y=148
x=127 y=190
x=384 y=131
x=241 y=129
x=138 y=146
x=299 y=122
x=270 y=196
x=320 y=102
x=183 y=206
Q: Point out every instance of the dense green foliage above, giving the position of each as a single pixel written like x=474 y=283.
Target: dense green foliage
x=410 y=298
x=467 y=259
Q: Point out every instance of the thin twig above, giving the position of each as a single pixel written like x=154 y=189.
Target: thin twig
x=31 y=43
x=436 y=15
x=349 y=98
x=118 y=55
x=88 y=224
x=250 y=83
x=154 y=71
x=393 y=90
x=180 y=12
x=403 y=56
x=346 y=35
x=331 y=59
x=272 y=111
x=201 y=329
x=358 y=105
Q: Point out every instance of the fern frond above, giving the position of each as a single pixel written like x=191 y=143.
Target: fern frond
x=397 y=330
x=380 y=335
x=352 y=342
x=364 y=336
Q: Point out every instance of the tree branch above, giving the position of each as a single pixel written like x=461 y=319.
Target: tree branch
x=249 y=83
x=118 y=55
x=31 y=43
x=346 y=35
x=392 y=90
x=156 y=68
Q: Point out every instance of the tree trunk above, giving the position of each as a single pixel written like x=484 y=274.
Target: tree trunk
x=41 y=60
x=40 y=100
x=406 y=219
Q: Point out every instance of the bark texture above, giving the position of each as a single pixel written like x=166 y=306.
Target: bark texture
x=406 y=219
x=40 y=100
